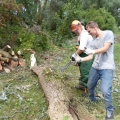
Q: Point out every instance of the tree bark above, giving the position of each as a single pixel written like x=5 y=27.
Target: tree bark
x=59 y=100
x=5 y=54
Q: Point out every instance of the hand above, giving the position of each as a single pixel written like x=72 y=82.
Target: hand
x=74 y=63
x=89 y=51
x=72 y=59
x=76 y=57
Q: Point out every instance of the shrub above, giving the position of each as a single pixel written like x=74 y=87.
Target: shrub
x=104 y=19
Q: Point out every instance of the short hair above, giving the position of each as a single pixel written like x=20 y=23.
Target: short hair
x=92 y=24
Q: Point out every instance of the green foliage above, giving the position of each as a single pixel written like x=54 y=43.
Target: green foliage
x=8 y=12
x=41 y=42
x=25 y=39
x=101 y=16
x=9 y=22
x=63 y=31
x=116 y=53
x=9 y=34
x=111 y=6
x=29 y=11
x=54 y=16
x=29 y=40
x=65 y=117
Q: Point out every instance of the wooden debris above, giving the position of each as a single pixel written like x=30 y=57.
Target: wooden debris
x=9 y=60
x=22 y=62
x=7 y=70
x=59 y=104
x=0 y=66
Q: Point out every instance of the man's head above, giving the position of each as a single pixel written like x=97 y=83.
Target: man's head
x=92 y=28
x=76 y=27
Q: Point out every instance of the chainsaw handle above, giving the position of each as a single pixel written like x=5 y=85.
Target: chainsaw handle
x=72 y=58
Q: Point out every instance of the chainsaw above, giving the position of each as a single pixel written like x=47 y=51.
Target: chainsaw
x=67 y=65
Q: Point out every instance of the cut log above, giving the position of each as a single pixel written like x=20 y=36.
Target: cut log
x=7 y=70
x=6 y=48
x=11 y=60
x=19 y=54
x=22 y=62
x=4 y=59
x=0 y=66
x=13 y=64
x=5 y=54
x=58 y=108
x=15 y=58
x=8 y=66
x=12 y=53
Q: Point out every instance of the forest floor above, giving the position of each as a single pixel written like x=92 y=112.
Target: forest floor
x=22 y=98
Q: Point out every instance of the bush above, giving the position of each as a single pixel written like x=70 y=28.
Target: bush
x=41 y=42
x=104 y=19
x=30 y=40
x=63 y=31
x=25 y=39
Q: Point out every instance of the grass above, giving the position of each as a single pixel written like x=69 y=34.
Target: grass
x=117 y=53
x=26 y=100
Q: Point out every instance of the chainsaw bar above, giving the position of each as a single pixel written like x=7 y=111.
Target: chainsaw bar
x=66 y=66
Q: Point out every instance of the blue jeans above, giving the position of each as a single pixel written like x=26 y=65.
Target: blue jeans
x=105 y=76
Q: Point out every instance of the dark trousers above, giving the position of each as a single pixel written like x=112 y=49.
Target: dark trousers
x=84 y=68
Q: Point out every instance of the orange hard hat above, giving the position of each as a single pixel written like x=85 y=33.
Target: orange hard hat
x=74 y=25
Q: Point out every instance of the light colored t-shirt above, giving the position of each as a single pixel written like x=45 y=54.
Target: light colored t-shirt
x=104 y=60
x=84 y=39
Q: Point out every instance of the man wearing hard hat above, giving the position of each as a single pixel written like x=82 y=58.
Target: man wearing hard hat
x=84 y=40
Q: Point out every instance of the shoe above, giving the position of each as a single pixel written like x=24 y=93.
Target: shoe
x=80 y=87
x=109 y=115
x=84 y=94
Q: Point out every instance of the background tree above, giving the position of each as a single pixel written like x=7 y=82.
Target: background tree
x=9 y=21
x=52 y=17
x=29 y=11
x=111 y=6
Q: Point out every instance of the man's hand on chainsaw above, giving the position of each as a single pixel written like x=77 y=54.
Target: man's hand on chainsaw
x=75 y=59
x=74 y=63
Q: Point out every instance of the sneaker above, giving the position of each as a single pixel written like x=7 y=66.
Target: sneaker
x=80 y=87
x=109 y=115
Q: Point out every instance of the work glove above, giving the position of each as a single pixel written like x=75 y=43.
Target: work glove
x=74 y=63
x=72 y=60
x=75 y=57
x=89 y=51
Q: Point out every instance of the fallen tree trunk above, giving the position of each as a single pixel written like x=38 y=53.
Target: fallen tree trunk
x=57 y=108
x=59 y=99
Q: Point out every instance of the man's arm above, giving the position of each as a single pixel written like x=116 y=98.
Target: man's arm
x=88 y=58
x=103 y=49
x=83 y=42
x=76 y=58
x=79 y=51
x=100 y=50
